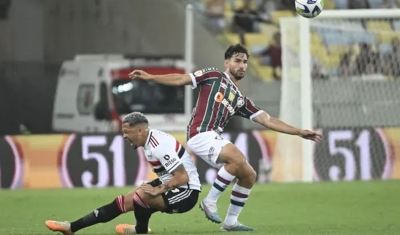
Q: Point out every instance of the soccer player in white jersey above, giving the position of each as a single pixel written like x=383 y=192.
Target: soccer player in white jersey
x=176 y=189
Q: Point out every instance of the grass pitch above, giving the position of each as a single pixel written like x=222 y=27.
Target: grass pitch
x=284 y=209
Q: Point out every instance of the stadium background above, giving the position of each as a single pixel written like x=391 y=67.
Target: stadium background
x=354 y=71
x=59 y=30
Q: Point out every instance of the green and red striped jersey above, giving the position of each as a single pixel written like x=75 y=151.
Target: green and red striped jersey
x=218 y=101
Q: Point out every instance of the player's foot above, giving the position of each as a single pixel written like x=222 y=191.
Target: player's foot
x=236 y=227
x=210 y=209
x=127 y=229
x=63 y=227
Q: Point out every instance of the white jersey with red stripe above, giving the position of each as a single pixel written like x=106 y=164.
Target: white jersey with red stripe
x=165 y=154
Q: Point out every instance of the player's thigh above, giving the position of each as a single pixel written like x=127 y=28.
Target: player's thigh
x=231 y=154
x=207 y=146
x=180 y=200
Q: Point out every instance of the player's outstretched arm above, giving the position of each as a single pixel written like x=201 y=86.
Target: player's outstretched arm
x=173 y=79
x=279 y=126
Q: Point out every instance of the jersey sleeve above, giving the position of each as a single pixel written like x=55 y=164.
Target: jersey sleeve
x=249 y=110
x=200 y=76
x=167 y=156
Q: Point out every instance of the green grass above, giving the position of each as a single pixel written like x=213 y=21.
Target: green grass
x=292 y=209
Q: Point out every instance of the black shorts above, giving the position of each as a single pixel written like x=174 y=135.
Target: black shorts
x=179 y=200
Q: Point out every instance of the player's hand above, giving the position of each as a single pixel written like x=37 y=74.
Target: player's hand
x=311 y=135
x=147 y=188
x=140 y=74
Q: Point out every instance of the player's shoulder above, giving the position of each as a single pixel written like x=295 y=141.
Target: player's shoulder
x=208 y=70
x=159 y=139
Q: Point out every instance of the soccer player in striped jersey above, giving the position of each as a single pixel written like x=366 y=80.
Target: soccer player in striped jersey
x=218 y=101
x=176 y=190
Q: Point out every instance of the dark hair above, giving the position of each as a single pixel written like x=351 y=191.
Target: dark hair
x=135 y=118
x=234 y=49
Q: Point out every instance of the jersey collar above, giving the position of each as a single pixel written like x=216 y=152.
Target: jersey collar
x=148 y=137
x=227 y=75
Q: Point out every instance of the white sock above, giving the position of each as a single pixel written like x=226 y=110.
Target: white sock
x=220 y=184
x=238 y=199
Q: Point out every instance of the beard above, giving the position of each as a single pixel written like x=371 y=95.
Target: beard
x=237 y=75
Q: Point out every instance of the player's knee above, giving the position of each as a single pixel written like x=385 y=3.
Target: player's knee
x=246 y=173
x=249 y=172
x=252 y=175
x=128 y=201
x=139 y=198
x=134 y=197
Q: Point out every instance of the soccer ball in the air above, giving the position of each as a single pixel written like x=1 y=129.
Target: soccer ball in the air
x=309 y=8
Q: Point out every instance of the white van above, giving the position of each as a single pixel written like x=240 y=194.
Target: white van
x=94 y=92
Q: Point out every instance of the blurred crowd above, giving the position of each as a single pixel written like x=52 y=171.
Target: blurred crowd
x=247 y=14
x=249 y=17
x=370 y=63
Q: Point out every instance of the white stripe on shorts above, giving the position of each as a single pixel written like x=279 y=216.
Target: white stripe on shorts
x=181 y=197
x=177 y=195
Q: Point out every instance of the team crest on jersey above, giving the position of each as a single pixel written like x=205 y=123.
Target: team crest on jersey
x=219 y=97
x=231 y=96
x=240 y=102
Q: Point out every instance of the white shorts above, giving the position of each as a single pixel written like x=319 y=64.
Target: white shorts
x=207 y=145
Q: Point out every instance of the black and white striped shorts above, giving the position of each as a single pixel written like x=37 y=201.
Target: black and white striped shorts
x=179 y=200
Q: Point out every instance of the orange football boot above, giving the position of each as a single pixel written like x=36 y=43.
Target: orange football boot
x=127 y=229
x=63 y=227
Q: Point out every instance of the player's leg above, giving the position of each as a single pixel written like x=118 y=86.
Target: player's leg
x=237 y=165
x=100 y=215
x=221 y=153
x=108 y=212
x=179 y=200
x=207 y=146
x=144 y=205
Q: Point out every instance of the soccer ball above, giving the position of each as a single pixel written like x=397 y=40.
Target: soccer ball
x=309 y=8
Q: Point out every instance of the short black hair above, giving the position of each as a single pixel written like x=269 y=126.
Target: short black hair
x=234 y=49
x=135 y=118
